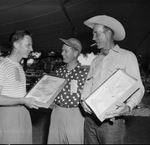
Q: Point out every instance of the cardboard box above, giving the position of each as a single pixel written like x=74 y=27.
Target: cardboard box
x=117 y=88
x=46 y=90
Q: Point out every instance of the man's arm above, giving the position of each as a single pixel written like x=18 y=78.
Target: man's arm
x=132 y=69
x=87 y=90
x=88 y=84
x=8 y=101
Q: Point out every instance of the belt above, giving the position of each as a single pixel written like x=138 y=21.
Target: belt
x=66 y=106
x=115 y=118
x=97 y=121
x=11 y=105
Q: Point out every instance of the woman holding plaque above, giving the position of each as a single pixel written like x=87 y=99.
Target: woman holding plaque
x=67 y=121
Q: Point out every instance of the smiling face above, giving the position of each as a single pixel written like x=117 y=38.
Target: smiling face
x=99 y=36
x=69 y=54
x=103 y=36
x=24 y=46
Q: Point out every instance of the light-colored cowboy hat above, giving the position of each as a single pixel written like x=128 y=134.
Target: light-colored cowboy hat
x=73 y=42
x=115 y=25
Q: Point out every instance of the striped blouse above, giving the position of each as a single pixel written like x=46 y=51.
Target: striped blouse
x=12 y=79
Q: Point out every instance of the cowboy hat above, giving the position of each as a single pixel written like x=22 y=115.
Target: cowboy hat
x=73 y=42
x=115 y=25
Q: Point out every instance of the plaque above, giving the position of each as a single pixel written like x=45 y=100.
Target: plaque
x=116 y=89
x=46 y=89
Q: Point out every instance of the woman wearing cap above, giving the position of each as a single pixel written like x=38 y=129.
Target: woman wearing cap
x=112 y=130
x=67 y=121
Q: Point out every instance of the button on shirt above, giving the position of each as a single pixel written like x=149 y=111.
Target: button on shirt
x=78 y=74
x=103 y=67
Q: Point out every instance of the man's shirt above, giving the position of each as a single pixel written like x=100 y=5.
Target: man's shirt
x=12 y=79
x=103 y=66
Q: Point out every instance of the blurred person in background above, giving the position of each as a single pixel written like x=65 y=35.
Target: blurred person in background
x=15 y=121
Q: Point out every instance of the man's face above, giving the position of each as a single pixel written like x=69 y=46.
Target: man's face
x=68 y=53
x=25 y=46
x=99 y=36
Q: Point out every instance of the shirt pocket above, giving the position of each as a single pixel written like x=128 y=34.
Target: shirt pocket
x=116 y=67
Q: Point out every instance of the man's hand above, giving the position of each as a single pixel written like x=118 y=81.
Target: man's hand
x=85 y=107
x=122 y=109
x=30 y=102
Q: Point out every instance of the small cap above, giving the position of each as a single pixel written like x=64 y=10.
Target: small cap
x=73 y=42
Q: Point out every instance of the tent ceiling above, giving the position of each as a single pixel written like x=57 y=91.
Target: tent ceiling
x=50 y=20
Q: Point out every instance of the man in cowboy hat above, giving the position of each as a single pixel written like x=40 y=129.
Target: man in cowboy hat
x=112 y=130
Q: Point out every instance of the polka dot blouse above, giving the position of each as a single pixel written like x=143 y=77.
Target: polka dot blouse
x=65 y=97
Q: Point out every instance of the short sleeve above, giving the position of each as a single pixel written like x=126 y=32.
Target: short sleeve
x=2 y=77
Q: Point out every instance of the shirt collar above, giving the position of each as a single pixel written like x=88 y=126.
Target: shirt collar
x=77 y=66
x=13 y=62
x=115 y=49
